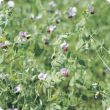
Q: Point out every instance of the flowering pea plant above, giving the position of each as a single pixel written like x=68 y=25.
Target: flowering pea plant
x=49 y=61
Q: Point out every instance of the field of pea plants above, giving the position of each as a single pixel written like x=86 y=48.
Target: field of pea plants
x=55 y=55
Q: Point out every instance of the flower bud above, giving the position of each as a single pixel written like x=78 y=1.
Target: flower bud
x=69 y=16
x=48 y=31
x=64 y=49
x=65 y=75
x=92 y=12
x=4 y=46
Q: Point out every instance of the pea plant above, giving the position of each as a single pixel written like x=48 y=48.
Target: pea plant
x=50 y=57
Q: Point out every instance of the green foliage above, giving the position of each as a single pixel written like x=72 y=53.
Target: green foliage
x=25 y=57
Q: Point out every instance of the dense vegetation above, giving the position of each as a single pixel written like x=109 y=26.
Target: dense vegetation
x=54 y=55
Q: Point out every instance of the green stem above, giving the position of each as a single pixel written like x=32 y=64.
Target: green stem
x=102 y=60
x=101 y=45
x=48 y=99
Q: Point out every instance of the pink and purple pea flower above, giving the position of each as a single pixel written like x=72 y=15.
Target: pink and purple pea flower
x=58 y=12
x=91 y=10
x=46 y=42
x=64 y=71
x=51 y=28
x=64 y=46
x=42 y=76
x=11 y=4
x=31 y=16
x=72 y=12
x=3 y=45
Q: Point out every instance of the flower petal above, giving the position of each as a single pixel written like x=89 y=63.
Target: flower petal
x=91 y=9
x=11 y=4
x=32 y=16
x=64 y=45
x=2 y=44
x=21 y=33
x=17 y=89
x=25 y=32
x=3 y=76
x=51 y=28
x=40 y=75
x=63 y=70
x=67 y=70
x=39 y=17
x=47 y=41
x=74 y=9
x=44 y=76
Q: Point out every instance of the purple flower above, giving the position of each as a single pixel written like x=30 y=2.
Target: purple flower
x=57 y=20
x=77 y=1
x=17 y=89
x=23 y=34
x=3 y=76
x=52 y=4
x=64 y=71
x=58 y=12
x=2 y=44
x=39 y=17
x=64 y=46
x=91 y=9
x=106 y=70
x=13 y=109
x=11 y=4
x=42 y=76
x=31 y=16
x=51 y=28
x=46 y=42
x=72 y=11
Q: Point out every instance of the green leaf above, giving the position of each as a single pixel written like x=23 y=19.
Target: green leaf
x=79 y=44
x=71 y=81
x=33 y=77
x=81 y=62
x=84 y=97
x=64 y=36
x=17 y=39
x=14 y=102
x=1 y=58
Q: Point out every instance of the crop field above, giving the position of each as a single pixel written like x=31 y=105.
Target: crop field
x=55 y=55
